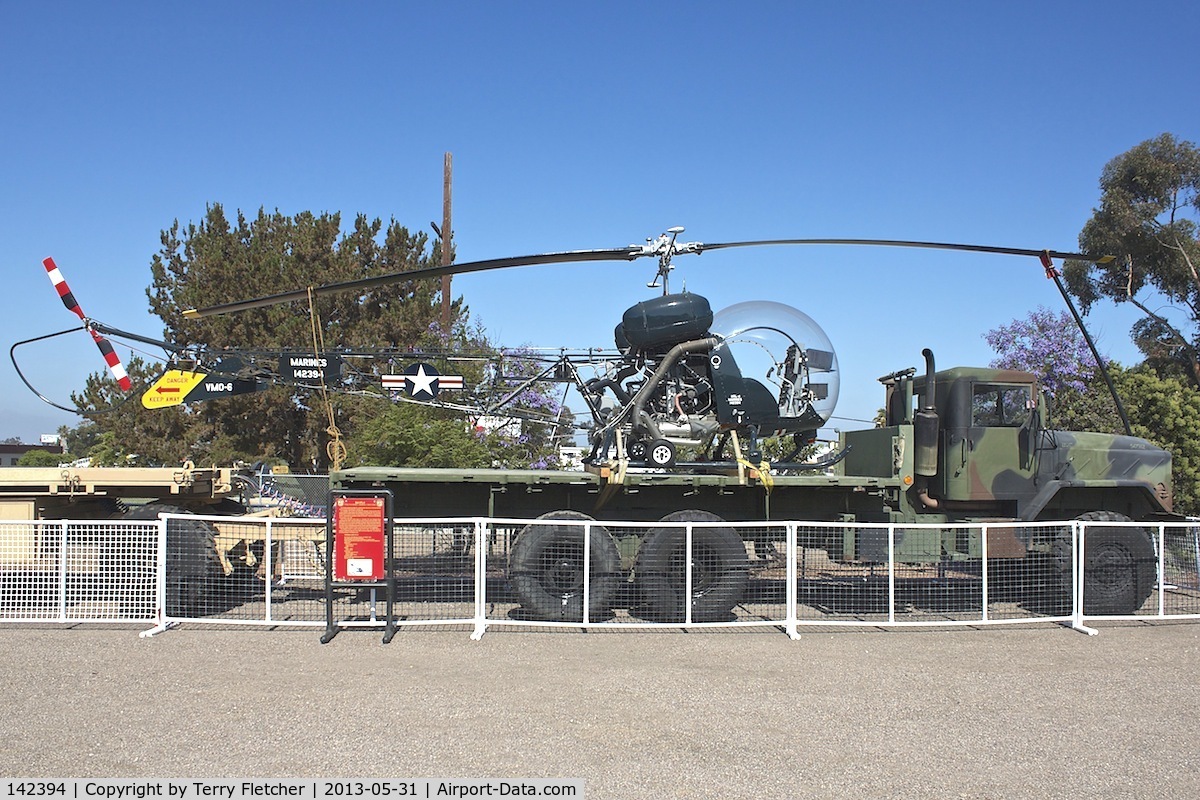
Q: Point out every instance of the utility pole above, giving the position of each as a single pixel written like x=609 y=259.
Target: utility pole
x=447 y=238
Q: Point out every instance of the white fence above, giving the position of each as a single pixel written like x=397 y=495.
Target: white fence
x=480 y=574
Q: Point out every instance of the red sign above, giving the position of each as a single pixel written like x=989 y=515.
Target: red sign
x=359 y=536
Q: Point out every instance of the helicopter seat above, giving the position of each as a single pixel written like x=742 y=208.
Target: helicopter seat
x=741 y=401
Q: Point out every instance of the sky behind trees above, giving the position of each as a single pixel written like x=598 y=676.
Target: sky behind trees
x=587 y=126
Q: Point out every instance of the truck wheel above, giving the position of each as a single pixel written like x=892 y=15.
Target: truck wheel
x=545 y=569
x=720 y=571
x=1120 y=565
x=192 y=561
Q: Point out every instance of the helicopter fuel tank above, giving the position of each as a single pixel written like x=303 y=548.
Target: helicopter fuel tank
x=666 y=320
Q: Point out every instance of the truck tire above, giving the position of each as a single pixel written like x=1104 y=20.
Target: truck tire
x=545 y=569
x=720 y=571
x=1120 y=565
x=191 y=562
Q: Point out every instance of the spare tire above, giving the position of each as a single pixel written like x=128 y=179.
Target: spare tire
x=191 y=559
x=546 y=568
x=720 y=571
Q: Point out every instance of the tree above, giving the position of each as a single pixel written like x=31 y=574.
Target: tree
x=524 y=429
x=1047 y=344
x=408 y=435
x=215 y=262
x=1166 y=411
x=1050 y=345
x=123 y=433
x=1162 y=409
x=1147 y=219
x=39 y=458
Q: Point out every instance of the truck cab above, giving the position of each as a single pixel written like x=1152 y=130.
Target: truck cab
x=990 y=451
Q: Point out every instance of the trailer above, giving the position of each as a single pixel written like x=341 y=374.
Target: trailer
x=206 y=549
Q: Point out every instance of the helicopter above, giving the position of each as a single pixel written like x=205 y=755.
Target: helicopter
x=680 y=378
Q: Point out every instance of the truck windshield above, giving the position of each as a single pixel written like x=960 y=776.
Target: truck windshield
x=994 y=406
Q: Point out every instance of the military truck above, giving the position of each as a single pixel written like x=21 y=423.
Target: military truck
x=963 y=445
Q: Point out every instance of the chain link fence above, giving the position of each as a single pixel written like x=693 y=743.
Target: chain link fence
x=79 y=571
x=688 y=570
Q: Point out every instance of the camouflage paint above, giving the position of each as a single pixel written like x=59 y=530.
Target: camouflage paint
x=1008 y=464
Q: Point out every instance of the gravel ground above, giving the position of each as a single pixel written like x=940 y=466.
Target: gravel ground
x=1003 y=712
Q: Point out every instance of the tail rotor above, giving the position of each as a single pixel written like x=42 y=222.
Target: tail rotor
x=106 y=349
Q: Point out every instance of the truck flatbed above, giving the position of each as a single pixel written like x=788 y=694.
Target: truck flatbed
x=612 y=494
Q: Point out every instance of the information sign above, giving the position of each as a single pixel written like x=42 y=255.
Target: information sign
x=359 y=538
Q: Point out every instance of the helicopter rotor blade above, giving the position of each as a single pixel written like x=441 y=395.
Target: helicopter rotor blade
x=700 y=247
x=617 y=254
x=106 y=349
x=663 y=247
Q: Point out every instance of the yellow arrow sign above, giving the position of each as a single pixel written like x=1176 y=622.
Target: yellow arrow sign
x=171 y=388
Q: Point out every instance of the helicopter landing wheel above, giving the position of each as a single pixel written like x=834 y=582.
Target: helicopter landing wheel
x=637 y=450
x=661 y=453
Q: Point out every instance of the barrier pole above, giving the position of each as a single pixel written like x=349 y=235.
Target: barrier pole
x=891 y=572
x=792 y=590
x=268 y=548
x=587 y=573
x=1162 y=569
x=687 y=589
x=160 y=582
x=983 y=532
x=1078 y=541
x=62 y=570
x=480 y=581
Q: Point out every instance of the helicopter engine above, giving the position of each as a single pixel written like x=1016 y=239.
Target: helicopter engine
x=679 y=382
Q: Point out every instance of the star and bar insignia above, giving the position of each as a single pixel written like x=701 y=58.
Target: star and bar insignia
x=421 y=382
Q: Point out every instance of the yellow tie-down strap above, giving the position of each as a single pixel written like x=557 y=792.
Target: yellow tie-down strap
x=761 y=472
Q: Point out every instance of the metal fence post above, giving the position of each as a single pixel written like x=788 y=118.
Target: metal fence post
x=983 y=550
x=687 y=589
x=1078 y=545
x=268 y=555
x=792 y=590
x=1162 y=568
x=160 y=580
x=62 y=570
x=480 y=579
x=891 y=572
x=587 y=573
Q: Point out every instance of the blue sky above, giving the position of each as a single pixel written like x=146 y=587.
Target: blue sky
x=577 y=126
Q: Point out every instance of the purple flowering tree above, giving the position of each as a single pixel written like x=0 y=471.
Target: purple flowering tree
x=1049 y=345
x=525 y=432
x=543 y=419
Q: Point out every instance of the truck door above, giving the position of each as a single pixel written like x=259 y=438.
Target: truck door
x=988 y=449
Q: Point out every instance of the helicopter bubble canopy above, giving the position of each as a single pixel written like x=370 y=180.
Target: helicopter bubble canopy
x=785 y=349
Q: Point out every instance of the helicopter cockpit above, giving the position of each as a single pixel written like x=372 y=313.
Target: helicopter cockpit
x=786 y=349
